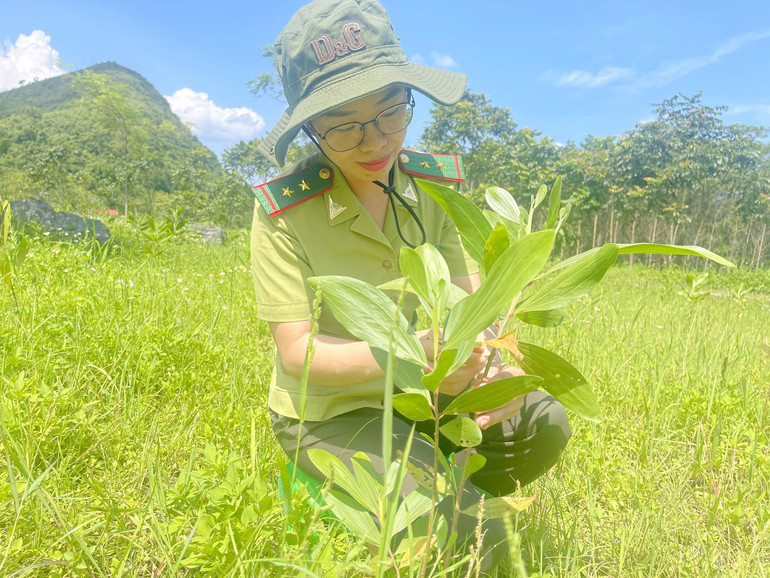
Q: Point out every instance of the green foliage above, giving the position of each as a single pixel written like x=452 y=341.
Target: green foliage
x=694 y=291
x=13 y=252
x=494 y=149
x=512 y=287
x=104 y=138
x=685 y=175
x=134 y=405
x=156 y=236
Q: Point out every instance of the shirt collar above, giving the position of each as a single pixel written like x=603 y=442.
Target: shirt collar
x=343 y=205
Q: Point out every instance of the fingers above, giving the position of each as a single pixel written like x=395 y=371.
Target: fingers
x=503 y=371
x=460 y=380
x=509 y=410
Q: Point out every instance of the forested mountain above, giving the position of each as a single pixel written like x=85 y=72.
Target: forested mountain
x=104 y=138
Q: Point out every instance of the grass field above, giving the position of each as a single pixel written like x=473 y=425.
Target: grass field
x=135 y=439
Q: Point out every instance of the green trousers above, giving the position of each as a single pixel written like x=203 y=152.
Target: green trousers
x=517 y=451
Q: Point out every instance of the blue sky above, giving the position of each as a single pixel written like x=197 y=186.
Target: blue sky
x=566 y=69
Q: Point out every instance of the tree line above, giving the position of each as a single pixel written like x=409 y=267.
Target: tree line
x=685 y=177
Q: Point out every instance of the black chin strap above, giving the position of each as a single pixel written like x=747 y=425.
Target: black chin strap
x=390 y=190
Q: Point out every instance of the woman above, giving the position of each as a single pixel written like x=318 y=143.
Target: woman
x=348 y=210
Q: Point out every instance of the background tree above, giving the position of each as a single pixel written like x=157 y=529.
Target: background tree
x=494 y=150
x=111 y=102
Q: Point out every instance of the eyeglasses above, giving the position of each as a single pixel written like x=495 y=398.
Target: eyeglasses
x=349 y=135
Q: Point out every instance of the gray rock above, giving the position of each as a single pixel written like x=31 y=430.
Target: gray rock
x=65 y=226
x=211 y=235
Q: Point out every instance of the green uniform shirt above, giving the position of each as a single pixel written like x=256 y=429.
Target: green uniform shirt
x=328 y=232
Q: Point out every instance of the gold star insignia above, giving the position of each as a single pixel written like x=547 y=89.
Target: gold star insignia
x=425 y=164
x=304 y=186
x=441 y=166
x=287 y=192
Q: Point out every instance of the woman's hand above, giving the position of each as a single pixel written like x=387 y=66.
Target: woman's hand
x=469 y=373
x=464 y=376
x=510 y=409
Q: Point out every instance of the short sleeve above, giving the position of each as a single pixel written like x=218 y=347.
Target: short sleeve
x=280 y=269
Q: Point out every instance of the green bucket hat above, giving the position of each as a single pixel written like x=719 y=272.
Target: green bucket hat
x=335 y=51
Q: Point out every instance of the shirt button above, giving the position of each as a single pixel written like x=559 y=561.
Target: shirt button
x=387 y=264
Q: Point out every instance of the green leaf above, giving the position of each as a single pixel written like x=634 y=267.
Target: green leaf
x=449 y=361
x=551 y=318
x=515 y=230
x=524 y=219
x=428 y=273
x=469 y=220
x=564 y=213
x=540 y=197
x=513 y=270
x=435 y=266
x=398 y=285
x=413 y=406
x=22 y=249
x=367 y=313
x=369 y=484
x=501 y=507
x=475 y=463
x=414 y=271
x=463 y=432
x=575 y=281
x=561 y=380
x=333 y=468
x=5 y=222
x=657 y=249
x=503 y=203
x=464 y=351
x=493 y=395
x=425 y=477
x=415 y=504
x=5 y=265
x=553 y=205
x=408 y=377
x=354 y=516
x=499 y=240
x=446 y=359
x=649 y=248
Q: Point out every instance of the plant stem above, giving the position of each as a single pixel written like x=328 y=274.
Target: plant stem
x=434 y=492
x=458 y=497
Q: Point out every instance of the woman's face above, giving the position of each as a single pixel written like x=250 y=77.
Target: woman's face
x=372 y=158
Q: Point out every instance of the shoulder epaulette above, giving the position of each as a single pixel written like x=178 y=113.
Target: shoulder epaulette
x=285 y=192
x=446 y=167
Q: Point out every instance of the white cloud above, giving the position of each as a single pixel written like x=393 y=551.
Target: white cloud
x=588 y=79
x=663 y=74
x=443 y=60
x=210 y=121
x=29 y=58
x=669 y=71
x=744 y=108
x=760 y=112
x=437 y=59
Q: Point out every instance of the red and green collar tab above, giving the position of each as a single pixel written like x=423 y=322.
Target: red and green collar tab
x=445 y=167
x=285 y=192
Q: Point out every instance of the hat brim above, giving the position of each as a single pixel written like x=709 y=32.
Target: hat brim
x=442 y=86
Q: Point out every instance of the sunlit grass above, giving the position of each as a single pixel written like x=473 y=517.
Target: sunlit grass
x=135 y=439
